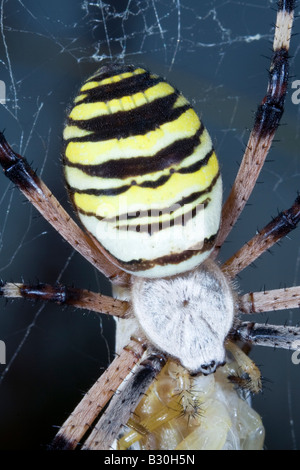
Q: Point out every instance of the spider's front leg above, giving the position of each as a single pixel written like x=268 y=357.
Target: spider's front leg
x=124 y=403
x=247 y=376
x=278 y=336
x=81 y=420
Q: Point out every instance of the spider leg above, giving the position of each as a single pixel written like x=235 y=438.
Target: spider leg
x=124 y=403
x=167 y=412
x=279 y=227
x=64 y=295
x=266 y=122
x=85 y=413
x=18 y=170
x=248 y=377
x=277 y=299
x=275 y=336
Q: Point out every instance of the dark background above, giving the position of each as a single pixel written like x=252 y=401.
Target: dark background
x=217 y=53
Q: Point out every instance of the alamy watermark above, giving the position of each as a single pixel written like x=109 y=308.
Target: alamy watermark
x=2 y=92
x=296 y=354
x=131 y=218
x=296 y=93
x=2 y=352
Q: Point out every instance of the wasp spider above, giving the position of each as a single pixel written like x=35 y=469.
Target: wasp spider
x=144 y=180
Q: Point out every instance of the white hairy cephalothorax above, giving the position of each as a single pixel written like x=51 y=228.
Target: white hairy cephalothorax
x=187 y=316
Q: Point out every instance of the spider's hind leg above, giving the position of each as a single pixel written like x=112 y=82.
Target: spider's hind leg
x=266 y=122
x=18 y=170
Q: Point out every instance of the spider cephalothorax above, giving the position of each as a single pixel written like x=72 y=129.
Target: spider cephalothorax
x=187 y=316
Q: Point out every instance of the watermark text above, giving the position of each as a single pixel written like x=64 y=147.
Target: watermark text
x=296 y=93
x=2 y=92
x=2 y=352
x=129 y=219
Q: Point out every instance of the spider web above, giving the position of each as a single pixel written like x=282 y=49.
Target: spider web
x=214 y=51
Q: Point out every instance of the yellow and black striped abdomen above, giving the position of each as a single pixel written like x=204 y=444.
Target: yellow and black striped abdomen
x=141 y=172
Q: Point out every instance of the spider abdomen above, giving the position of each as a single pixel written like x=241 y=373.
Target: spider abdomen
x=142 y=172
